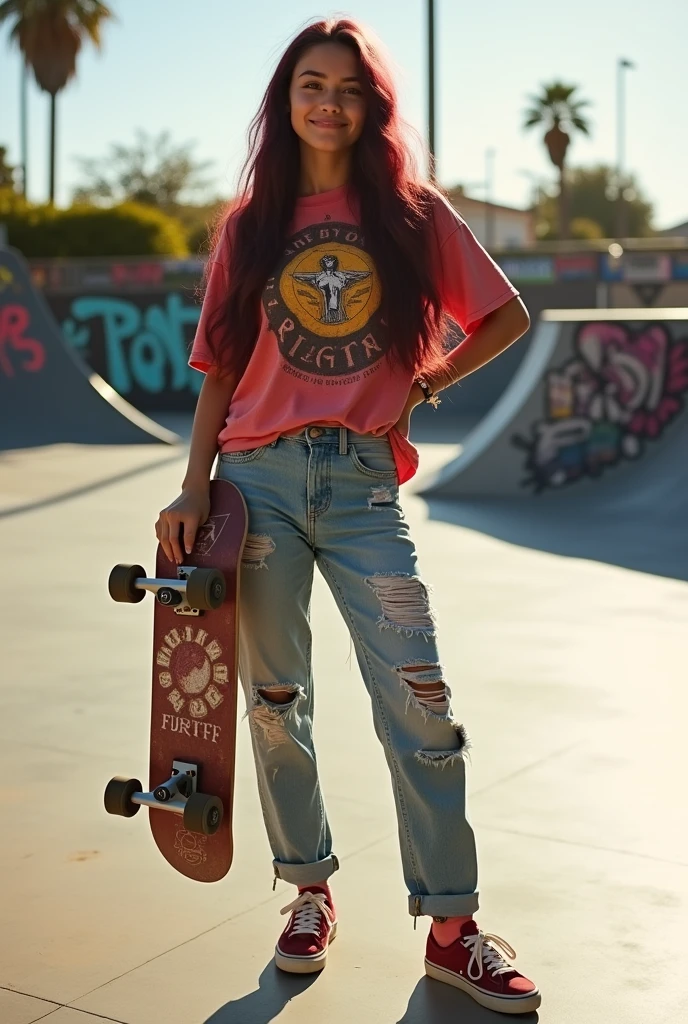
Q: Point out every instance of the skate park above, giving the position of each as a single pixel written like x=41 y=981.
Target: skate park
x=559 y=583
x=549 y=510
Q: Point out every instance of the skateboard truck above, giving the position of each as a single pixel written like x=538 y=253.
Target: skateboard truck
x=195 y=590
x=199 y=811
x=177 y=788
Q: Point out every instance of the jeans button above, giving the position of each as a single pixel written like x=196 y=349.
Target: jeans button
x=314 y=432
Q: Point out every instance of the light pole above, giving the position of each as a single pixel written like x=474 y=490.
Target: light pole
x=23 y=119
x=489 y=191
x=536 y=186
x=431 y=90
x=621 y=208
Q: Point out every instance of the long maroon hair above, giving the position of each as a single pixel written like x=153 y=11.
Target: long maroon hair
x=395 y=212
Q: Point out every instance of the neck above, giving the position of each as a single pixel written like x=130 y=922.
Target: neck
x=321 y=172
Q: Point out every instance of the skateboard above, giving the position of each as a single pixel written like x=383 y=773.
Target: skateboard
x=194 y=694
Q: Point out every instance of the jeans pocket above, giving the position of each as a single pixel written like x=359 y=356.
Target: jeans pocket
x=249 y=455
x=374 y=458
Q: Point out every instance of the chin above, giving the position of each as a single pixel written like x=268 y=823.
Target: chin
x=322 y=146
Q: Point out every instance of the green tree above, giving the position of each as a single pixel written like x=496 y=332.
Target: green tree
x=6 y=170
x=591 y=197
x=50 y=34
x=151 y=171
x=198 y=223
x=559 y=111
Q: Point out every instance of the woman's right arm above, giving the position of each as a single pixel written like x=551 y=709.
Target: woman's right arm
x=190 y=510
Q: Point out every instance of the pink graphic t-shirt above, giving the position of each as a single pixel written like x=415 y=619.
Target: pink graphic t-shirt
x=319 y=355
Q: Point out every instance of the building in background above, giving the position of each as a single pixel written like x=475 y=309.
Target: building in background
x=494 y=225
x=680 y=231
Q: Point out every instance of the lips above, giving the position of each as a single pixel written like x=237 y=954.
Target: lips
x=327 y=124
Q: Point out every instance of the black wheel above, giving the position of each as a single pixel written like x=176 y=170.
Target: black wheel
x=205 y=589
x=121 y=584
x=118 y=794
x=203 y=814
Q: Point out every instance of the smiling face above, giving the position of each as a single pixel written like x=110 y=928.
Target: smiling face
x=326 y=98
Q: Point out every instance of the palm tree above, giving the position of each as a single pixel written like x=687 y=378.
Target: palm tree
x=560 y=112
x=49 y=34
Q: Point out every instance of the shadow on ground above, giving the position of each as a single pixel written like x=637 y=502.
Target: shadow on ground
x=275 y=990
x=430 y=1003
x=618 y=534
x=94 y=485
x=433 y=1002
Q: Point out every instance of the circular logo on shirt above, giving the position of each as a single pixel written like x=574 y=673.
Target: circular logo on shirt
x=323 y=302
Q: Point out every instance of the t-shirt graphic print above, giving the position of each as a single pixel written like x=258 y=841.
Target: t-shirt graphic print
x=320 y=354
x=323 y=302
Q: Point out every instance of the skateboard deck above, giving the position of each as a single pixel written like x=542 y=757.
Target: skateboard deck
x=195 y=680
x=194 y=693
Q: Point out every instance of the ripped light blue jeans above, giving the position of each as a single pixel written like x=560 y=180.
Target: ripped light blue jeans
x=329 y=496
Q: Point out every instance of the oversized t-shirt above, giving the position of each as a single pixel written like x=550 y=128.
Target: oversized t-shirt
x=320 y=352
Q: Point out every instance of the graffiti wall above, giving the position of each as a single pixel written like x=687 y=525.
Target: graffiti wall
x=133 y=320
x=139 y=343
x=614 y=396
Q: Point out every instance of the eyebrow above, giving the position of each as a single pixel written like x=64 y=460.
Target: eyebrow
x=320 y=74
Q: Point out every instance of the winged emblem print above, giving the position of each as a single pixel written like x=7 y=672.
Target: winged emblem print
x=332 y=283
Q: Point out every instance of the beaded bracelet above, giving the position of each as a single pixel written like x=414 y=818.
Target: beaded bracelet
x=429 y=395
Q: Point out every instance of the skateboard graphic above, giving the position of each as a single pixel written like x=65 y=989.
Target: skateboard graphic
x=194 y=694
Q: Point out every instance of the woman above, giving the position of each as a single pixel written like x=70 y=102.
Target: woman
x=321 y=330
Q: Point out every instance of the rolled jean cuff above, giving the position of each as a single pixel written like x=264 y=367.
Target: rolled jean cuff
x=444 y=906
x=306 y=874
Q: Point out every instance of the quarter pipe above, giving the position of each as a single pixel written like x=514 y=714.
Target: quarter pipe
x=598 y=398
x=47 y=394
x=585 y=454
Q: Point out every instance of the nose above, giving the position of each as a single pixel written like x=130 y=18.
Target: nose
x=330 y=104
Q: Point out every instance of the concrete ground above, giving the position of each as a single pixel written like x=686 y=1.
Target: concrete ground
x=570 y=676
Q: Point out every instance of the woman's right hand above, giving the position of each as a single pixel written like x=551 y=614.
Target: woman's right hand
x=189 y=511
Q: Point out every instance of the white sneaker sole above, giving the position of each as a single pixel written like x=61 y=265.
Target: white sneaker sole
x=304 y=964
x=503 y=1004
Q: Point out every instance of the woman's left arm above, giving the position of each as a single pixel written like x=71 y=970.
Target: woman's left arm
x=469 y=281
x=494 y=334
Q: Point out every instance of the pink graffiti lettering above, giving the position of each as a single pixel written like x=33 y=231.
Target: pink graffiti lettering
x=14 y=321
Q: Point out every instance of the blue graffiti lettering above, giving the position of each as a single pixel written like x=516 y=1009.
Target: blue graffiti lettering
x=147 y=348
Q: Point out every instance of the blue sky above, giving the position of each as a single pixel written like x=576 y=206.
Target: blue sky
x=199 y=69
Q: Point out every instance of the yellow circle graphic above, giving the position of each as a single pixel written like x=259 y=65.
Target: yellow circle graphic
x=332 y=290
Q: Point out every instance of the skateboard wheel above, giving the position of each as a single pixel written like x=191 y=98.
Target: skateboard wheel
x=203 y=814
x=118 y=794
x=205 y=589
x=122 y=583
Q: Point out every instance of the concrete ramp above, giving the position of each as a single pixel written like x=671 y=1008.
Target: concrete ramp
x=47 y=394
x=598 y=409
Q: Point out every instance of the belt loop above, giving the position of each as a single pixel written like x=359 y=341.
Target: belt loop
x=343 y=441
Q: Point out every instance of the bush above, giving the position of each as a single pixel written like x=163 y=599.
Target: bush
x=130 y=229
x=585 y=227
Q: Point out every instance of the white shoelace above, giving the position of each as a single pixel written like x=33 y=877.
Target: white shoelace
x=484 y=954
x=308 y=908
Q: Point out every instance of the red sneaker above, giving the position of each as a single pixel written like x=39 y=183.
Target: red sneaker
x=472 y=964
x=302 y=946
